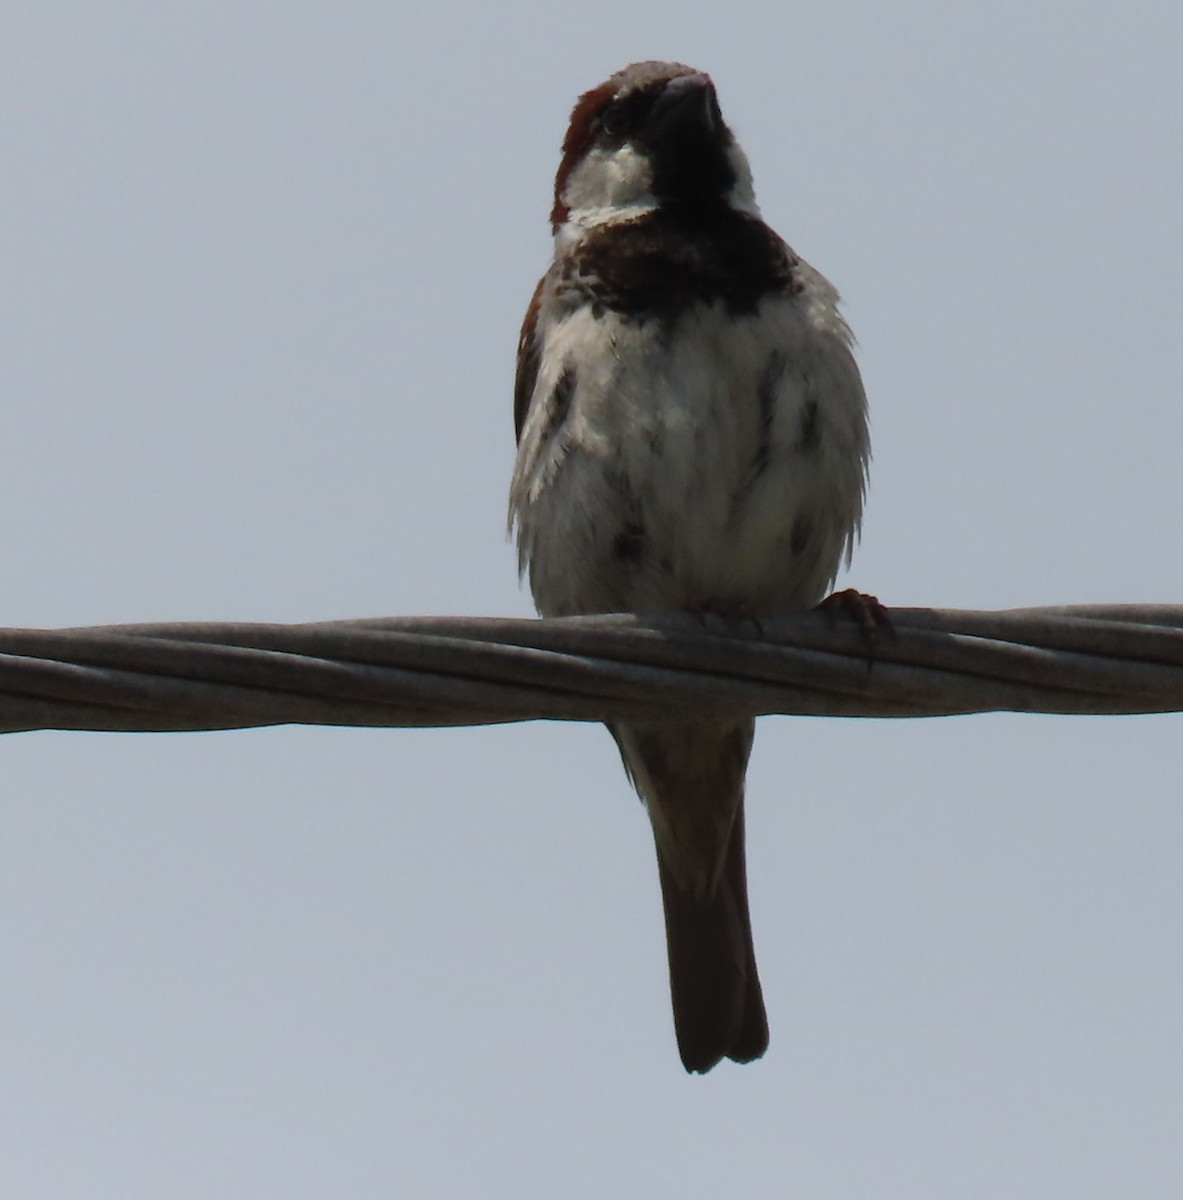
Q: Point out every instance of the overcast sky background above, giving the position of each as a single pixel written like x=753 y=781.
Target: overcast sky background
x=264 y=266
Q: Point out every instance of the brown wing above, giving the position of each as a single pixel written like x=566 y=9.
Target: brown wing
x=529 y=353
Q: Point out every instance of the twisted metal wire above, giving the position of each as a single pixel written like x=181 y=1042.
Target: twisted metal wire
x=435 y=671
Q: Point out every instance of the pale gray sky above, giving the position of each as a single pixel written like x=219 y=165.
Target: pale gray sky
x=264 y=266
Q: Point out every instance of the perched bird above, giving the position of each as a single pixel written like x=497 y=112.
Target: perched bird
x=692 y=437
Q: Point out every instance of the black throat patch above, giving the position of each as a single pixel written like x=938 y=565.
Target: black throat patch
x=677 y=256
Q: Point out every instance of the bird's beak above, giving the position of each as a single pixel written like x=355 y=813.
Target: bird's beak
x=687 y=105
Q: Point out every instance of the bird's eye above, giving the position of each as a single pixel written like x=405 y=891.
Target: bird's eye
x=614 y=119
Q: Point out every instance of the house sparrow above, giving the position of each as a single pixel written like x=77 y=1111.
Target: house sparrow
x=692 y=437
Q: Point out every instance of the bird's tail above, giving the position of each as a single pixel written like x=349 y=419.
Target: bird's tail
x=691 y=777
x=718 y=1004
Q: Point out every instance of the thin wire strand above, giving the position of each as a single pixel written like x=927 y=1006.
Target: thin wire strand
x=440 y=671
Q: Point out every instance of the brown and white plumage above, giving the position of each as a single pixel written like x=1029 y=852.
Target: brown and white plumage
x=692 y=436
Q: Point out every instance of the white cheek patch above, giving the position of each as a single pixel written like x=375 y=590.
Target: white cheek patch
x=742 y=196
x=607 y=181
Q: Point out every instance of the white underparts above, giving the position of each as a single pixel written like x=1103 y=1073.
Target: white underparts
x=717 y=460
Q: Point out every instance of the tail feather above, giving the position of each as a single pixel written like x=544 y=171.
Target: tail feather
x=717 y=1001
x=691 y=777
